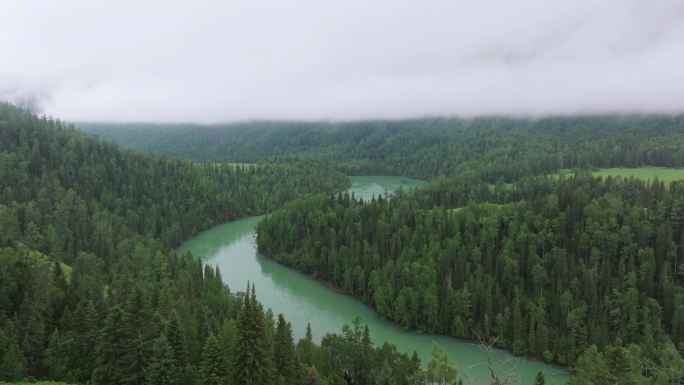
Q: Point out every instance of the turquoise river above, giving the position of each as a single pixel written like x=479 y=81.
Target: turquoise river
x=232 y=247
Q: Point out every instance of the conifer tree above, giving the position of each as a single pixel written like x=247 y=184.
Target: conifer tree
x=162 y=369
x=366 y=339
x=176 y=340
x=591 y=368
x=141 y=336
x=111 y=350
x=306 y=348
x=618 y=362
x=252 y=362
x=11 y=362
x=284 y=352
x=212 y=367
x=309 y=334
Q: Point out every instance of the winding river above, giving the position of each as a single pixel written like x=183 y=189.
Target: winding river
x=232 y=247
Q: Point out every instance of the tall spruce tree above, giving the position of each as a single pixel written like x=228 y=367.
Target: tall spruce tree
x=252 y=362
x=141 y=336
x=11 y=362
x=176 y=340
x=309 y=334
x=111 y=350
x=212 y=367
x=163 y=367
x=284 y=352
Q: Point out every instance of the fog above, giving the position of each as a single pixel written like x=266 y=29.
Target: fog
x=216 y=61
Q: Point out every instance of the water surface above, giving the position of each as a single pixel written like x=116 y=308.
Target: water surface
x=368 y=186
x=232 y=248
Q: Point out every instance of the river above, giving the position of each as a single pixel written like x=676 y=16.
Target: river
x=232 y=247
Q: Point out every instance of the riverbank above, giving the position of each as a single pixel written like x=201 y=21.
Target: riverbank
x=340 y=291
x=302 y=299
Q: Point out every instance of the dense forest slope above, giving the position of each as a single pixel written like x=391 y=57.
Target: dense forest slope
x=577 y=270
x=548 y=267
x=495 y=149
x=90 y=290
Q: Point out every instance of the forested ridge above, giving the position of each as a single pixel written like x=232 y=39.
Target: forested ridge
x=577 y=270
x=491 y=148
x=551 y=268
x=91 y=291
x=548 y=266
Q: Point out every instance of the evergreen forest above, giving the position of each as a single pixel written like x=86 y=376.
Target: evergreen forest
x=513 y=243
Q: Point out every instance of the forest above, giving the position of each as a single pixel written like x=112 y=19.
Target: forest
x=342 y=192
x=499 y=247
x=93 y=293
x=495 y=149
x=549 y=267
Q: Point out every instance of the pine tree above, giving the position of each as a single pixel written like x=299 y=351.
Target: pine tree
x=540 y=380
x=162 y=369
x=309 y=334
x=591 y=368
x=212 y=367
x=58 y=300
x=34 y=312
x=619 y=362
x=111 y=367
x=252 y=363
x=385 y=376
x=415 y=373
x=89 y=328
x=176 y=340
x=11 y=362
x=366 y=339
x=226 y=337
x=140 y=343
x=56 y=356
x=284 y=351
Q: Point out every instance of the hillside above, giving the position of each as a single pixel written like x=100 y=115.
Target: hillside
x=92 y=292
x=493 y=148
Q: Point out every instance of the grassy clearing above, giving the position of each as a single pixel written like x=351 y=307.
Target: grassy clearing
x=506 y=186
x=485 y=206
x=45 y=260
x=235 y=165
x=564 y=172
x=667 y=175
x=226 y=164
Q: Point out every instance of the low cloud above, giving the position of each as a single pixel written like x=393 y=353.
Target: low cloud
x=213 y=61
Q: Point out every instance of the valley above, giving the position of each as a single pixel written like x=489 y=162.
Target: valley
x=231 y=247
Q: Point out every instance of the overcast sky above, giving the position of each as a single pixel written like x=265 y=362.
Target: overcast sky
x=213 y=61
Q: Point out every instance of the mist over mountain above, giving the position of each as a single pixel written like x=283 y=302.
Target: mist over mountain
x=169 y=61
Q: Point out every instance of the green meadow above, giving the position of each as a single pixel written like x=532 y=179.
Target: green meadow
x=43 y=259
x=665 y=174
